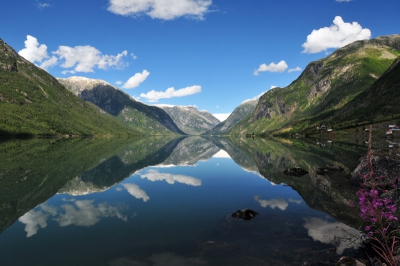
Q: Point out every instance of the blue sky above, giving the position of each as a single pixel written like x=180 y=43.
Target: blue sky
x=213 y=54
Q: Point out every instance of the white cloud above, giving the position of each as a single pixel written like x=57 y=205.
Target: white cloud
x=344 y=0
x=337 y=35
x=294 y=70
x=154 y=175
x=222 y=117
x=273 y=203
x=136 y=79
x=86 y=58
x=73 y=59
x=34 y=51
x=118 y=82
x=339 y=234
x=154 y=96
x=272 y=67
x=136 y=191
x=42 y=5
x=161 y=9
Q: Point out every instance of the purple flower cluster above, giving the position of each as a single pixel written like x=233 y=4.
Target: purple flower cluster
x=374 y=208
x=378 y=213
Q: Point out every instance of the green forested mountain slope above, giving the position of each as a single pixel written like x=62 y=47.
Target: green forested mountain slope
x=32 y=102
x=324 y=86
x=381 y=99
x=133 y=114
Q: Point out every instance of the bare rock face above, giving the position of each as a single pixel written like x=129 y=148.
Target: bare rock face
x=190 y=120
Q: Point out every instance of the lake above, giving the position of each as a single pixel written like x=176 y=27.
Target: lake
x=167 y=201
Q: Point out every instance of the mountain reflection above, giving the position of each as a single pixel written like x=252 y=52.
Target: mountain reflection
x=82 y=167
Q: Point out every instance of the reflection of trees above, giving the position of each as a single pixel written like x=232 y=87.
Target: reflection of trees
x=133 y=157
x=330 y=193
x=32 y=171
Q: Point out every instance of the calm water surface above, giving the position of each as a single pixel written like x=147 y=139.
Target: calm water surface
x=167 y=202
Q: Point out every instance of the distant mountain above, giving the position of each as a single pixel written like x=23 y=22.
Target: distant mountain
x=190 y=120
x=135 y=115
x=240 y=112
x=324 y=87
x=32 y=102
x=191 y=150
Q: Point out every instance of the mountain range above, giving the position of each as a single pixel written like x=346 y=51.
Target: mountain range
x=133 y=114
x=355 y=84
x=327 y=86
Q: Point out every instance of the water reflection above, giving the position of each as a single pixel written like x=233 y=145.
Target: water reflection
x=155 y=175
x=80 y=213
x=61 y=185
x=136 y=191
x=338 y=234
x=272 y=203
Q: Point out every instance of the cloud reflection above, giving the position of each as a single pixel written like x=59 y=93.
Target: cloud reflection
x=79 y=213
x=273 y=203
x=154 y=175
x=136 y=191
x=32 y=220
x=159 y=259
x=84 y=213
x=335 y=233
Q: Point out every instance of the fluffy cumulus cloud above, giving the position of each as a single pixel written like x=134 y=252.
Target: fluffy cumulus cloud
x=73 y=59
x=280 y=67
x=272 y=203
x=37 y=53
x=86 y=58
x=136 y=79
x=154 y=175
x=337 y=35
x=154 y=96
x=161 y=9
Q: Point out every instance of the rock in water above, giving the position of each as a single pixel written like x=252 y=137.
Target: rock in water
x=329 y=168
x=245 y=214
x=297 y=171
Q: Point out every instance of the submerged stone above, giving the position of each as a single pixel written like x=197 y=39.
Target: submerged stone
x=329 y=168
x=245 y=214
x=297 y=171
